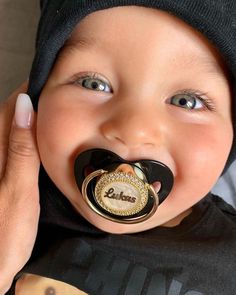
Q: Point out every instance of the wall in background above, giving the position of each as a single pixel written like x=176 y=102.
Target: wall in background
x=18 y=21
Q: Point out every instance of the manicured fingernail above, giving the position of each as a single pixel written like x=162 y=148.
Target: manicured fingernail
x=23 y=111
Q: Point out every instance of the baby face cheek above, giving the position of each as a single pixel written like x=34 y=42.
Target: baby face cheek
x=200 y=152
x=211 y=150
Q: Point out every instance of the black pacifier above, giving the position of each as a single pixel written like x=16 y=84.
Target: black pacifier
x=119 y=190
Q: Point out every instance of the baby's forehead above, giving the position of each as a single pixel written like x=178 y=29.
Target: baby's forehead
x=100 y=30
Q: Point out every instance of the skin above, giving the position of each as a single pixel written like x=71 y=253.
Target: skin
x=144 y=65
x=19 y=195
x=31 y=284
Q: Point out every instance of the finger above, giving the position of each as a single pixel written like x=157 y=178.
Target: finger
x=6 y=114
x=8 y=104
x=23 y=160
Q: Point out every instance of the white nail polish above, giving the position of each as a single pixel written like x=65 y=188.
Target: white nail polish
x=23 y=111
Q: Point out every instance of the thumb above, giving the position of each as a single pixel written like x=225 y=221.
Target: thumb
x=23 y=160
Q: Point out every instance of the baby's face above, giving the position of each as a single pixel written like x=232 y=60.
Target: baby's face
x=143 y=84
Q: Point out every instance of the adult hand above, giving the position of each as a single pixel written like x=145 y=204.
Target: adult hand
x=19 y=194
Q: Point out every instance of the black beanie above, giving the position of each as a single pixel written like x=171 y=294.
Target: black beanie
x=216 y=19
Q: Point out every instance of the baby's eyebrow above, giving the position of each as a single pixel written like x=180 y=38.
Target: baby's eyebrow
x=81 y=43
x=84 y=43
x=212 y=66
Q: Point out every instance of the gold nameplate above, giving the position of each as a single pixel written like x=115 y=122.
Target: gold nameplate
x=121 y=193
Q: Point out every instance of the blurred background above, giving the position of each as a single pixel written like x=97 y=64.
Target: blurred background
x=18 y=21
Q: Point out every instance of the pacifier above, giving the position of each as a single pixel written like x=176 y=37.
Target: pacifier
x=119 y=190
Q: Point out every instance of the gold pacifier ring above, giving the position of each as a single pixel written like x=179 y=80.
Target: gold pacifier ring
x=120 y=194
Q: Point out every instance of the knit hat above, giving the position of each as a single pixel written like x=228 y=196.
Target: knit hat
x=216 y=19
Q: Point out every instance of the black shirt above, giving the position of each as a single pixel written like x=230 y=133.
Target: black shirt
x=196 y=257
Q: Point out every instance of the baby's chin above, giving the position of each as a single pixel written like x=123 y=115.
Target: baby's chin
x=104 y=224
x=166 y=215
x=111 y=227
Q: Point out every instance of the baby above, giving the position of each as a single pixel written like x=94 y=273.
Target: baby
x=138 y=85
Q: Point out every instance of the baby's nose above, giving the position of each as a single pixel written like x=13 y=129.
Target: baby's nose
x=133 y=126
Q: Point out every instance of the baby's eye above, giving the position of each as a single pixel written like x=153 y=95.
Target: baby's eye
x=187 y=101
x=93 y=83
